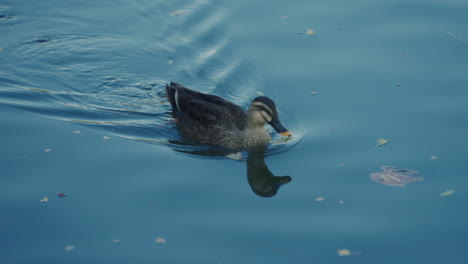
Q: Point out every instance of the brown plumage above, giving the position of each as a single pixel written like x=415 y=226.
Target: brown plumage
x=211 y=120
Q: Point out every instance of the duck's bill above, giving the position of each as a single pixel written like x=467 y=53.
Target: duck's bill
x=276 y=124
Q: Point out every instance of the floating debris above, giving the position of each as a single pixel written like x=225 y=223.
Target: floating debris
x=320 y=199
x=310 y=32
x=160 y=240
x=260 y=93
x=105 y=137
x=76 y=131
x=456 y=37
x=307 y=32
x=381 y=142
x=44 y=199
x=392 y=176
x=70 y=248
x=61 y=195
x=115 y=240
x=235 y=156
x=399 y=84
x=47 y=150
x=345 y=252
x=179 y=12
x=447 y=193
x=434 y=157
x=313 y=93
x=170 y=62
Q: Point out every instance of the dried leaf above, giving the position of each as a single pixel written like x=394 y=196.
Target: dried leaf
x=310 y=32
x=44 y=199
x=320 y=199
x=179 y=12
x=447 y=193
x=260 y=93
x=344 y=252
x=160 y=240
x=235 y=156
x=382 y=141
x=70 y=248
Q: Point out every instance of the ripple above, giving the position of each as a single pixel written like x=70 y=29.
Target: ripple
x=114 y=84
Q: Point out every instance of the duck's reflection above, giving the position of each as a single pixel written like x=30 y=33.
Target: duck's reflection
x=261 y=179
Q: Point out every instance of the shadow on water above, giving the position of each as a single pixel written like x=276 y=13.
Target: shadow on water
x=261 y=179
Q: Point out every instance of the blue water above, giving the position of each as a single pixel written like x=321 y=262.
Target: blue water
x=84 y=113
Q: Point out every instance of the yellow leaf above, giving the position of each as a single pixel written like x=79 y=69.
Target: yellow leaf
x=320 y=199
x=44 y=199
x=310 y=32
x=447 y=193
x=382 y=141
x=344 y=252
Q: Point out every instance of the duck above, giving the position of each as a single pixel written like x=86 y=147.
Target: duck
x=211 y=120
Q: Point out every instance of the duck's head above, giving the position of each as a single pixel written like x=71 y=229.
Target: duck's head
x=263 y=111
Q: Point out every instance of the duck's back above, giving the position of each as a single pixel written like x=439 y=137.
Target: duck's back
x=206 y=119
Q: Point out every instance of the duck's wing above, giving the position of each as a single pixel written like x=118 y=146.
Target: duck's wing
x=204 y=107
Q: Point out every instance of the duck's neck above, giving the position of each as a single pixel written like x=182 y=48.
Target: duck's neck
x=255 y=136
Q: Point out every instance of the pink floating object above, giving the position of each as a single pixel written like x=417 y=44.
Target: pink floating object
x=393 y=176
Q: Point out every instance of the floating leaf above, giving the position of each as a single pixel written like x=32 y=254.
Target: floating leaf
x=382 y=141
x=160 y=240
x=105 y=137
x=345 y=252
x=320 y=199
x=76 y=132
x=434 y=157
x=170 y=61
x=44 y=199
x=235 y=156
x=179 y=12
x=47 y=150
x=260 y=93
x=392 y=176
x=310 y=32
x=70 y=248
x=447 y=193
